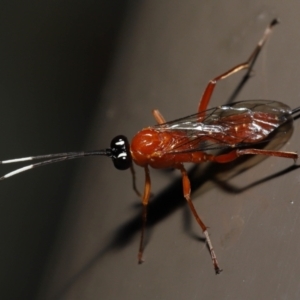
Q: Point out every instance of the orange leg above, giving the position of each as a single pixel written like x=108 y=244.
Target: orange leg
x=147 y=192
x=145 y=202
x=134 y=181
x=187 y=195
x=211 y=85
x=158 y=116
x=228 y=157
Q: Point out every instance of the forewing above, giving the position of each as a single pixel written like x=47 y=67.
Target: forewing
x=203 y=131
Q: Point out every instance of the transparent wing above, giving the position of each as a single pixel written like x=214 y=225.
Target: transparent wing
x=240 y=124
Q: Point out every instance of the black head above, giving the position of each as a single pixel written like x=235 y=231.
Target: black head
x=120 y=152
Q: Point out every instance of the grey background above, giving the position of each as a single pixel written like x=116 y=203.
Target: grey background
x=74 y=75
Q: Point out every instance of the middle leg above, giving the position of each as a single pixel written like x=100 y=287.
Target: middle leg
x=158 y=116
x=187 y=195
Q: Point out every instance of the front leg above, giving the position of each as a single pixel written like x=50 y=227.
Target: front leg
x=145 y=202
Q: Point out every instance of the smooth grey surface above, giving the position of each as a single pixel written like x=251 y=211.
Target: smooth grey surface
x=165 y=53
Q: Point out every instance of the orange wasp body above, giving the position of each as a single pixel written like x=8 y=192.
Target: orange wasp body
x=238 y=129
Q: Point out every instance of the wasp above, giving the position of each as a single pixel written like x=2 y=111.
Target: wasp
x=235 y=129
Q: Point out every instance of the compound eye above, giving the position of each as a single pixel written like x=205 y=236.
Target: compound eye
x=120 y=152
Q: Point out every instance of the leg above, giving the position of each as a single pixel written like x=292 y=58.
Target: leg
x=248 y=64
x=146 y=197
x=134 y=181
x=158 y=116
x=228 y=157
x=187 y=196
